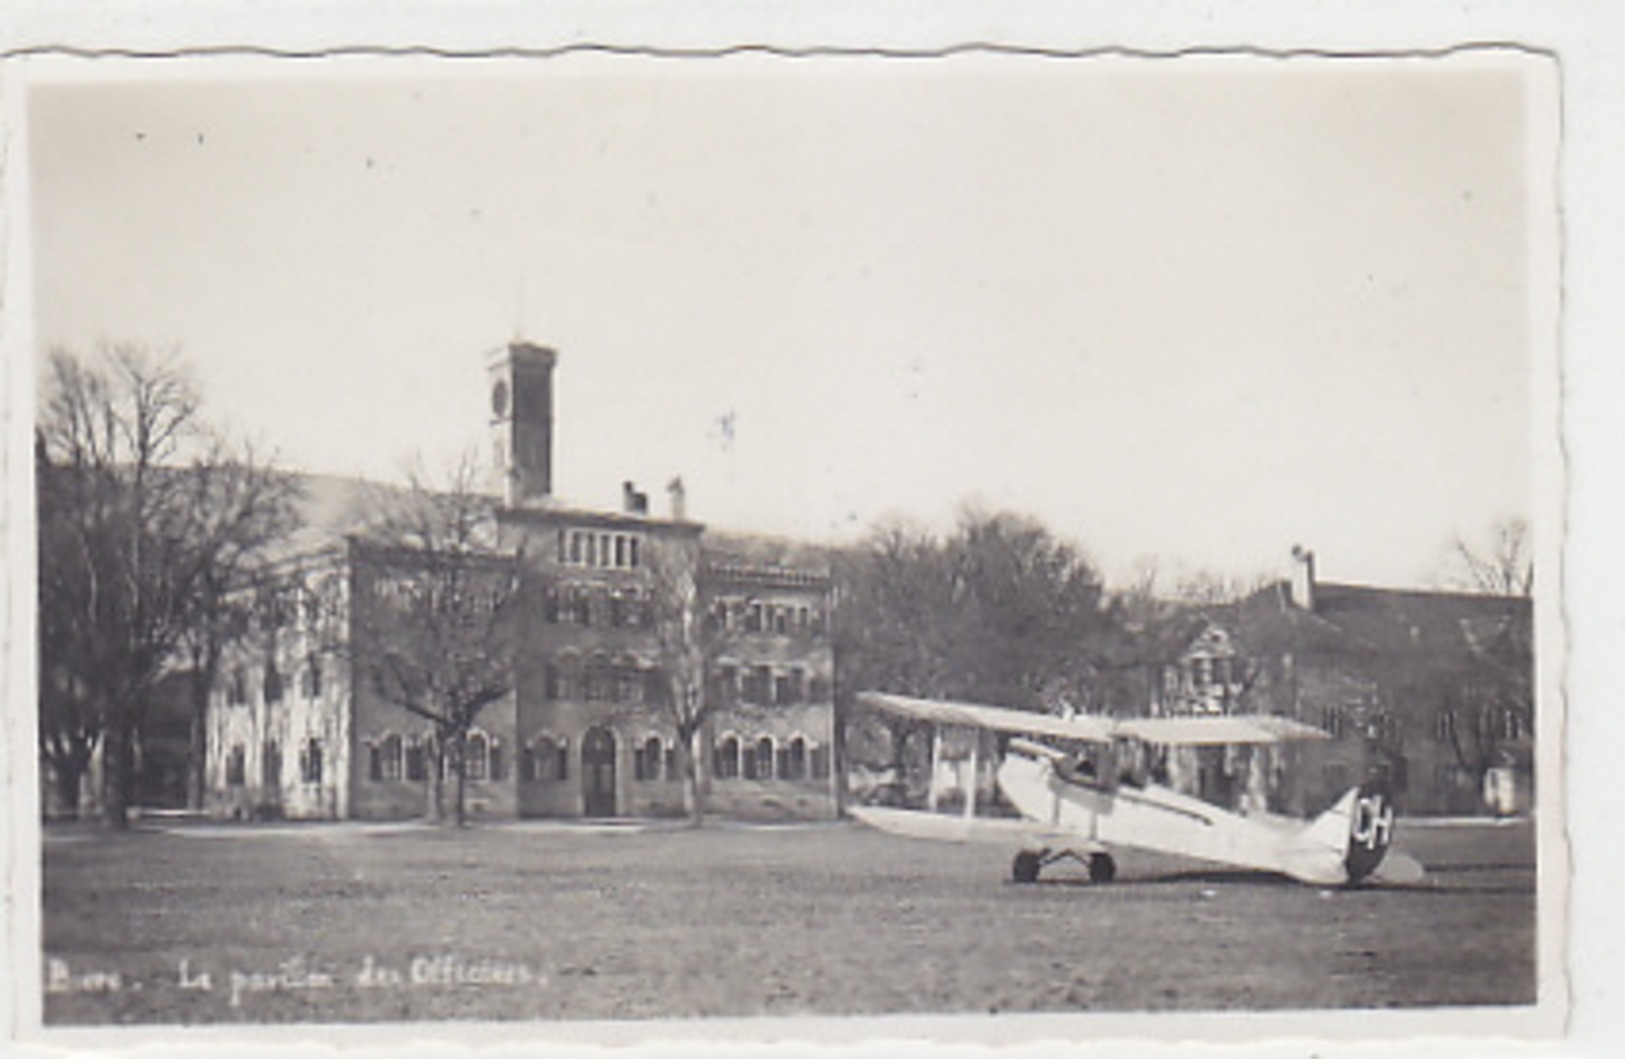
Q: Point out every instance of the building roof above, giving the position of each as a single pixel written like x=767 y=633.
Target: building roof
x=1350 y=619
x=331 y=509
x=1419 y=621
x=769 y=551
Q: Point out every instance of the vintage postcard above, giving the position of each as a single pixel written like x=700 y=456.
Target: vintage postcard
x=988 y=546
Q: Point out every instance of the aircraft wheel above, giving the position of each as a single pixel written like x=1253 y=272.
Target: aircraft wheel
x=1102 y=868
x=1025 y=867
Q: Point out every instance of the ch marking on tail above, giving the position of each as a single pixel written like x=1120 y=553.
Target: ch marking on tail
x=1373 y=821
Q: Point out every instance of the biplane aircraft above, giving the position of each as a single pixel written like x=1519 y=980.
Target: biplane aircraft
x=1077 y=806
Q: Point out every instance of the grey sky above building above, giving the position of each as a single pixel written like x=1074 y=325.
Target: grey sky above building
x=1196 y=310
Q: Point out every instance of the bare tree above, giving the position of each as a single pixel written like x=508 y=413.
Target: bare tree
x=134 y=518
x=252 y=505
x=1503 y=566
x=1487 y=704
x=435 y=621
x=70 y=716
x=677 y=690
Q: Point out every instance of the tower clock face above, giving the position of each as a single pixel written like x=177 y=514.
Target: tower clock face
x=499 y=398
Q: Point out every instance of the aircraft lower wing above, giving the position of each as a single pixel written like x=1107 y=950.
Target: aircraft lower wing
x=940 y=827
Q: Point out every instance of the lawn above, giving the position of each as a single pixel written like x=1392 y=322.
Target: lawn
x=337 y=923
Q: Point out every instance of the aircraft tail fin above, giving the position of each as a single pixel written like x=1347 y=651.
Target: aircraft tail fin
x=1371 y=829
x=1360 y=826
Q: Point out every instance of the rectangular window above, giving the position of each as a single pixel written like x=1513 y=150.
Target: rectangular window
x=234 y=766
x=632 y=553
x=273 y=684
x=620 y=551
x=415 y=766
x=562 y=765
x=271 y=766
x=390 y=751
x=310 y=761
x=375 y=763
x=629 y=686
x=753 y=617
x=476 y=758
x=820 y=762
x=671 y=763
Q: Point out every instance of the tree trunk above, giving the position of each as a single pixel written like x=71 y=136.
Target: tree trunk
x=198 y=737
x=693 y=804
x=460 y=766
x=118 y=770
x=436 y=759
x=68 y=773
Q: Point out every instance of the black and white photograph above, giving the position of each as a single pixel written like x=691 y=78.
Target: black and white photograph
x=638 y=541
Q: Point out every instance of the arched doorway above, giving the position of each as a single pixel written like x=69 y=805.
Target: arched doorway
x=598 y=773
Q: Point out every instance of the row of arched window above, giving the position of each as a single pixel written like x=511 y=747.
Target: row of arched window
x=547 y=759
x=272 y=685
x=595 y=606
x=310 y=763
x=599 y=679
x=764 y=759
x=764 y=684
x=754 y=616
x=392 y=758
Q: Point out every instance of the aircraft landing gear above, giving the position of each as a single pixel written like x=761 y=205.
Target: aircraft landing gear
x=1026 y=865
x=1029 y=863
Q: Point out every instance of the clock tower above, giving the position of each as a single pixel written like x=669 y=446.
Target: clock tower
x=521 y=396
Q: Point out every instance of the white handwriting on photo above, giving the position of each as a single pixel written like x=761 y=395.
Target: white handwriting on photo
x=438 y=971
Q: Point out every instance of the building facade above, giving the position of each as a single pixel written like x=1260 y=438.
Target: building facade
x=633 y=625
x=1432 y=690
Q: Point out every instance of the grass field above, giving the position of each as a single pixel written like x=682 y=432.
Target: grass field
x=338 y=923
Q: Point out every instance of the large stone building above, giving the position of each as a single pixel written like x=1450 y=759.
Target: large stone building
x=1432 y=689
x=612 y=597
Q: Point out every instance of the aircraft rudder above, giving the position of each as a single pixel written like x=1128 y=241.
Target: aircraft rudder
x=1371 y=827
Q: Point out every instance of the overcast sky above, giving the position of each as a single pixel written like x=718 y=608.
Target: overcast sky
x=1191 y=310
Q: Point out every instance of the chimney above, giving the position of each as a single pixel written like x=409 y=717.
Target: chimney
x=632 y=500
x=1303 y=578
x=679 y=504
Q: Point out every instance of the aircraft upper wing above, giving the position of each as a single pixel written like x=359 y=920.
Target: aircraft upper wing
x=1164 y=730
x=1086 y=728
x=1218 y=730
